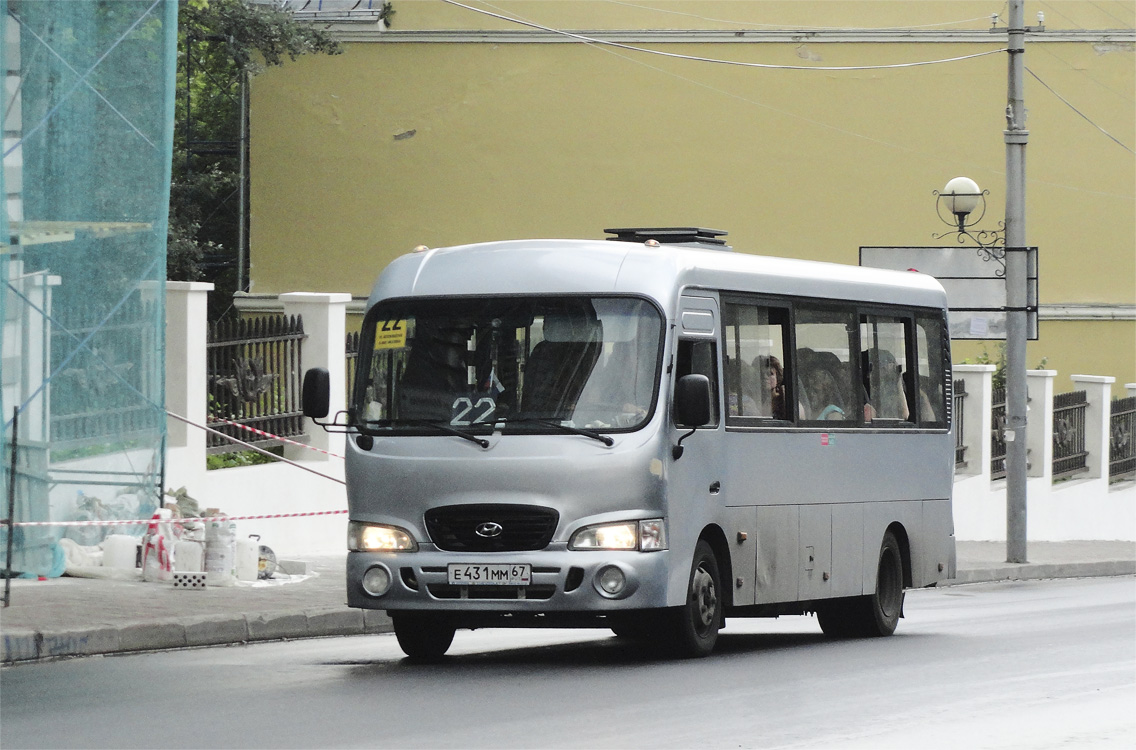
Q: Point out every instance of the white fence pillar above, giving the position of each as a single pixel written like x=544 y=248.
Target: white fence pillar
x=1098 y=392
x=325 y=323
x=187 y=376
x=976 y=417
x=1039 y=425
x=186 y=372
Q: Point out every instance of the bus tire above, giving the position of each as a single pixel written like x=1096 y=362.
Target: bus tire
x=422 y=637
x=694 y=629
x=885 y=606
x=874 y=615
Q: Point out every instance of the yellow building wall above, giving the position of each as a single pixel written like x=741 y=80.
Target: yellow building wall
x=356 y=159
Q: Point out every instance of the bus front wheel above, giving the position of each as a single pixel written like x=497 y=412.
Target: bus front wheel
x=694 y=630
x=422 y=637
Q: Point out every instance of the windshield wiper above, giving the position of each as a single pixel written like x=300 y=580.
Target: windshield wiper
x=433 y=424
x=606 y=440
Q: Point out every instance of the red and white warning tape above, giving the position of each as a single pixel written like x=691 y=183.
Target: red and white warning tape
x=252 y=447
x=281 y=439
x=140 y=521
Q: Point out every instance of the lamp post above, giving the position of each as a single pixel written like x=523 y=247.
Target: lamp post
x=960 y=198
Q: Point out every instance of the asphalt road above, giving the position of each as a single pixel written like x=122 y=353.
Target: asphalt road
x=1044 y=664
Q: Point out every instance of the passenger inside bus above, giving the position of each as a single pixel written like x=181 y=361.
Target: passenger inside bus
x=822 y=375
x=886 y=395
x=773 y=404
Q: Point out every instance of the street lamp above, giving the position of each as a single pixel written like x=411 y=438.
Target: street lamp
x=959 y=199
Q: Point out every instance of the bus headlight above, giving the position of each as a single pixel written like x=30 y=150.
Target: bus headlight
x=645 y=536
x=375 y=537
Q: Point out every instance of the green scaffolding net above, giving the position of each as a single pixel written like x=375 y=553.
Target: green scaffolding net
x=88 y=122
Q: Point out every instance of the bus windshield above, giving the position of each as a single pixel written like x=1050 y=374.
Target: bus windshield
x=518 y=364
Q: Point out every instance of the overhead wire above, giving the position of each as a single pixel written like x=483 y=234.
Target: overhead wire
x=717 y=61
x=605 y=47
x=1087 y=119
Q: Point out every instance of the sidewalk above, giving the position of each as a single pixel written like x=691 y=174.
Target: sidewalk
x=79 y=616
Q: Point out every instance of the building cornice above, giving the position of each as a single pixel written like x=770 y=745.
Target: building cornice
x=270 y=303
x=374 y=32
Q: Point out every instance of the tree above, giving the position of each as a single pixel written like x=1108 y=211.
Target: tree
x=220 y=44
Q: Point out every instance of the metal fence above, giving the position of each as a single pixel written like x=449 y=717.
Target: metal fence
x=1069 y=454
x=960 y=446
x=998 y=434
x=1121 y=448
x=254 y=380
x=351 y=352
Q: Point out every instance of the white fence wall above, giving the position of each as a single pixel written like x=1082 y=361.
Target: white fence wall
x=1086 y=507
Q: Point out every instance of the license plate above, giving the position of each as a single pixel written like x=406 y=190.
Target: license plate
x=496 y=574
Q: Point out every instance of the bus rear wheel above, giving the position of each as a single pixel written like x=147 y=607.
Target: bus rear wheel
x=694 y=628
x=422 y=637
x=874 y=615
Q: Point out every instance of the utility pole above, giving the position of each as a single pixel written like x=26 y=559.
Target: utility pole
x=1016 y=137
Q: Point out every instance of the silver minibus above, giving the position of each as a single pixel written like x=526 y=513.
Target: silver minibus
x=651 y=435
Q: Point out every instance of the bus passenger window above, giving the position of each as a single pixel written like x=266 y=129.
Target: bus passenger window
x=754 y=378
x=700 y=358
x=932 y=354
x=826 y=389
x=884 y=369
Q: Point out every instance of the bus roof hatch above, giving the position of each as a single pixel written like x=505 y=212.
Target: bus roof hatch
x=710 y=239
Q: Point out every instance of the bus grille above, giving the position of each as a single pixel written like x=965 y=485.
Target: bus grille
x=522 y=527
x=446 y=591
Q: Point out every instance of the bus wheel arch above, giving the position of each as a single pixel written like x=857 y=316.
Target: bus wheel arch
x=898 y=531
x=716 y=538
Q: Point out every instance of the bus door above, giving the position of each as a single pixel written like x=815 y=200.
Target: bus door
x=697 y=488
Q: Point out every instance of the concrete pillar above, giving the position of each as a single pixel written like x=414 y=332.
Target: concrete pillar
x=976 y=418
x=1098 y=391
x=325 y=323
x=186 y=372
x=1039 y=426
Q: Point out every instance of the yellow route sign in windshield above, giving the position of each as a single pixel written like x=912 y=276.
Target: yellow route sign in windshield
x=390 y=334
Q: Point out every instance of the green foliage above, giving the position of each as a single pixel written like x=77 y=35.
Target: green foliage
x=251 y=31
x=220 y=43
x=998 y=379
x=241 y=458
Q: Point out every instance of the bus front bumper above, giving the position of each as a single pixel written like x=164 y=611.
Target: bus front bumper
x=561 y=580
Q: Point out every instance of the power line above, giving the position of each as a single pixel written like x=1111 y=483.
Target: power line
x=1082 y=114
x=695 y=58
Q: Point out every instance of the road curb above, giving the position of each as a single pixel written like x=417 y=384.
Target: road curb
x=25 y=645
x=1041 y=571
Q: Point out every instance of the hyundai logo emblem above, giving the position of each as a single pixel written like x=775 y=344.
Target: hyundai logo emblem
x=488 y=530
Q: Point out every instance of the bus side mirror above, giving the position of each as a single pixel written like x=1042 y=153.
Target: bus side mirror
x=692 y=401
x=315 y=398
x=691 y=407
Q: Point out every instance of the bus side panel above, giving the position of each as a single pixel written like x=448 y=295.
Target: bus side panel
x=939 y=544
x=847 y=550
x=877 y=517
x=815 y=552
x=777 y=561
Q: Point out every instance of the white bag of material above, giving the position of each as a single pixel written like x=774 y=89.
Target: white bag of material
x=220 y=552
